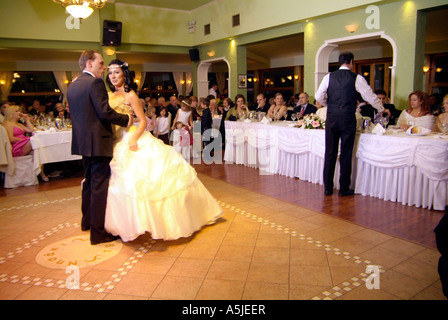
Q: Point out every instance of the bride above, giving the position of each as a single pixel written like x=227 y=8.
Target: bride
x=152 y=188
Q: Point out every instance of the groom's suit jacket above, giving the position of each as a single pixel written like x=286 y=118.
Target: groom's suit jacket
x=92 y=117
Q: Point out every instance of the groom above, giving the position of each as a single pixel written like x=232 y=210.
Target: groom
x=92 y=138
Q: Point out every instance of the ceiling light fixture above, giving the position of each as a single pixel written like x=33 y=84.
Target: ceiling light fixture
x=81 y=9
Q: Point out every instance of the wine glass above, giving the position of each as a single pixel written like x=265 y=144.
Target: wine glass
x=293 y=116
x=445 y=128
x=384 y=122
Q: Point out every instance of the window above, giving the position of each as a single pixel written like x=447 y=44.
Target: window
x=376 y=72
x=28 y=86
x=277 y=80
x=159 y=84
x=437 y=75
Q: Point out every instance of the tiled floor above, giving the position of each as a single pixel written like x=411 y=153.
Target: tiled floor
x=263 y=248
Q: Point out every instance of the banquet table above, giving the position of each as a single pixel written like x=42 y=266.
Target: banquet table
x=51 y=146
x=412 y=170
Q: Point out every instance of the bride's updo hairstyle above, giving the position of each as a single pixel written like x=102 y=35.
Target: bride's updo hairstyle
x=128 y=76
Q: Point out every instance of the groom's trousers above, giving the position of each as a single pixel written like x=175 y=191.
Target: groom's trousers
x=94 y=195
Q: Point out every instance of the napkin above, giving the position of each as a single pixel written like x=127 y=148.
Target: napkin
x=378 y=130
x=265 y=120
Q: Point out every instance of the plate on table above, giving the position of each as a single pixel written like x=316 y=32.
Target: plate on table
x=418 y=131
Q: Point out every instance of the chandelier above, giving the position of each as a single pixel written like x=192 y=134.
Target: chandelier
x=81 y=8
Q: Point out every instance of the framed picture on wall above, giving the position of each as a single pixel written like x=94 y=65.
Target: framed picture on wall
x=242 y=81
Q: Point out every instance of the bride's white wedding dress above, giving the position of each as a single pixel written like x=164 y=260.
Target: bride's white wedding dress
x=154 y=189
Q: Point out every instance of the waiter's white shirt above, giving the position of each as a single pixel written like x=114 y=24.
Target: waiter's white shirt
x=361 y=86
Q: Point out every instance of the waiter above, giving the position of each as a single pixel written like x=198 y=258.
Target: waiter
x=338 y=91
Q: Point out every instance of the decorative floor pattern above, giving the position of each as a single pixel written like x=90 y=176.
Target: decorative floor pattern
x=262 y=248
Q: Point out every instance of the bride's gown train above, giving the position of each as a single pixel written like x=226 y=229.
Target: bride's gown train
x=154 y=189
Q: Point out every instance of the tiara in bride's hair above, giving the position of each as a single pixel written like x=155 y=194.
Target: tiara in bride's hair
x=125 y=64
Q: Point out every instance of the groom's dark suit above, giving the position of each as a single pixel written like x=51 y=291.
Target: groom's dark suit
x=92 y=138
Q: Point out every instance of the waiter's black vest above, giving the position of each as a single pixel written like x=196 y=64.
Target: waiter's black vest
x=341 y=93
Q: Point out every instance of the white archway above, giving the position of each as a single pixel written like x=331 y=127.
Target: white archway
x=323 y=56
x=202 y=76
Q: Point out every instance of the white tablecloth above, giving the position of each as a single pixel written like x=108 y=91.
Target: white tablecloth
x=397 y=167
x=51 y=147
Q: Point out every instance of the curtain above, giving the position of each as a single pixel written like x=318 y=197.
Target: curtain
x=76 y=74
x=61 y=80
x=140 y=76
x=221 y=79
x=178 y=77
x=5 y=88
x=188 y=82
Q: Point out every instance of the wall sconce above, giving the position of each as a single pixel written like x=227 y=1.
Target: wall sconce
x=188 y=81
x=296 y=77
x=211 y=53
x=439 y=69
x=425 y=69
x=2 y=83
x=109 y=51
x=182 y=82
x=352 y=27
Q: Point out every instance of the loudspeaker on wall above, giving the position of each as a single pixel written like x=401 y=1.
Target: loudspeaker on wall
x=112 y=33
x=194 y=54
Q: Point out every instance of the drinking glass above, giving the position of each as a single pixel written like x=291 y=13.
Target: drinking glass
x=445 y=128
x=385 y=122
x=293 y=116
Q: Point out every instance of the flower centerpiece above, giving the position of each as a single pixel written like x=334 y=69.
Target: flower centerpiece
x=311 y=121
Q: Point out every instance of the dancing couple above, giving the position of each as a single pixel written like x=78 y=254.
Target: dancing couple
x=134 y=183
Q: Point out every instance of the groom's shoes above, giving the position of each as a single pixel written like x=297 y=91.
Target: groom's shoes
x=107 y=238
x=346 y=193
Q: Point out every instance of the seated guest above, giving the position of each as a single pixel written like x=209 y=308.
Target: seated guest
x=418 y=113
x=304 y=106
x=390 y=108
x=213 y=107
x=38 y=109
x=436 y=104
x=279 y=109
x=61 y=112
x=3 y=106
x=365 y=109
x=262 y=104
x=442 y=118
x=321 y=112
x=21 y=144
x=240 y=110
